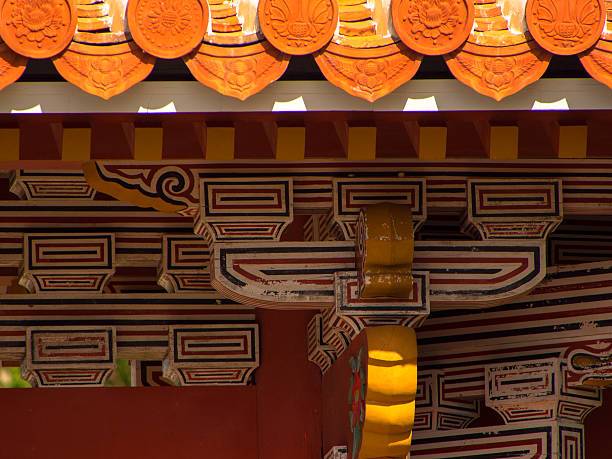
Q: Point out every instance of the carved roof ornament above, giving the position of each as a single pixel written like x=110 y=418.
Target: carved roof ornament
x=12 y=65
x=168 y=28
x=103 y=60
x=298 y=27
x=496 y=61
x=364 y=58
x=433 y=27
x=598 y=60
x=233 y=59
x=241 y=73
x=369 y=72
x=37 y=28
x=565 y=27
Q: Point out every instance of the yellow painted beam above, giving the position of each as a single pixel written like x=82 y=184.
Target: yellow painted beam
x=432 y=142
x=148 y=143
x=573 y=141
x=361 y=143
x=290 y=143
x=9 y=144
x=503 y=142
x=76 y=144
x=220 y=143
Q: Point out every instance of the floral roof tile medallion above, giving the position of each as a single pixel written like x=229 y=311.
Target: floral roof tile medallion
x=168 y=28
x=239 y=71
x=598 y=60
x=37 y=28
x=12 y=65
x=370 y=72
x=104 y=71
x=433 y=27
x=565 y=27
x=298 y=27
x=495 y=61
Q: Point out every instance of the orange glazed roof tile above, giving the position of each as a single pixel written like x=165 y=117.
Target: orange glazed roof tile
x=367 y=48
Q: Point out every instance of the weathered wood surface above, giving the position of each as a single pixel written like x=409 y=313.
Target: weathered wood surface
x=461 y=273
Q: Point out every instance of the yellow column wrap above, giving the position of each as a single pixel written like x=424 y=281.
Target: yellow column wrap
x=391 y=390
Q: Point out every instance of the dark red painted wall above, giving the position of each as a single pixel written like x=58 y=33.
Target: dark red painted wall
x=147 y=422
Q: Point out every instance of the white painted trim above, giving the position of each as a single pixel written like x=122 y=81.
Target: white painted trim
x=416 y=95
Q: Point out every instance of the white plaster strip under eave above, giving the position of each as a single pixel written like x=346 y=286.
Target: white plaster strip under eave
x=193 y=97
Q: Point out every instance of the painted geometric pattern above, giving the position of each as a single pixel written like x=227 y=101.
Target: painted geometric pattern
x=570 y=307
x=514 y=209
x=69 y=356
x=212 y=354
x=587 y=189
x=381 y=311
x=141 y=320
x=50 y=185
x=337 y=452
x=351 y=195
x=434 y=411
x=522 y=392
x=267 y=203
x=331 y=332
x=75 y=262
x=146 y=373
x=320 y=352
x=474 y=273
x=69 y=251
x=524 y=440
x=185 y=264
x=70 y=377
x=322 y=227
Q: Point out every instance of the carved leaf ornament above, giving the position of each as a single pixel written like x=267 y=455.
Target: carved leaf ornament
x=433 y=27
x=37 y=28
x=298 y=27
x=168 y=28
x=354 y=46
x=566 y=27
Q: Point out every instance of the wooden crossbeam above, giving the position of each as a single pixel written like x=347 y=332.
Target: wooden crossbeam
x=178 y=139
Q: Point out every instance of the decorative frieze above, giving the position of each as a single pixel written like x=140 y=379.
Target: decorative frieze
x=185 y=264
x=435 y=410
x=301 y=273
x=141 y=319
x=514 y=209
x=569 y=308
x=534 y=440
x=212 y=354
x=34 y=185
x=174 y=188
x=76 y=262
x=537 y=390
x=68 y=356
x=255 y=209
